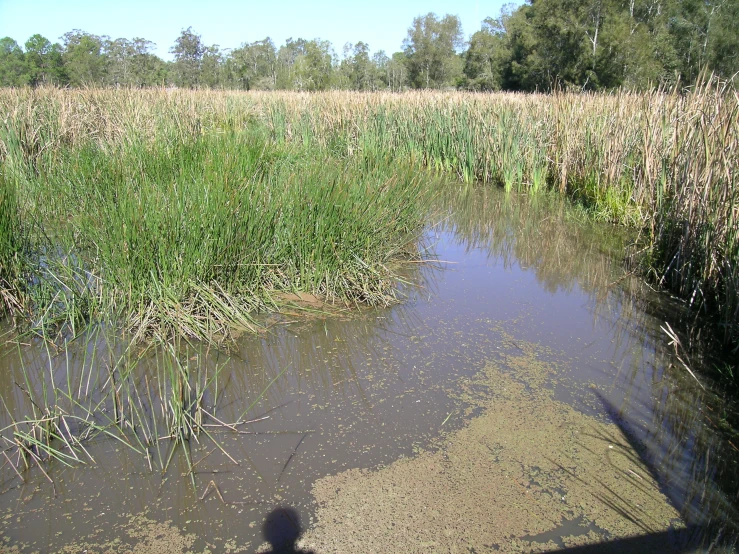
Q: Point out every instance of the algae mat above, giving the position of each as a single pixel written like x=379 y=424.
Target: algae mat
x=531 y=474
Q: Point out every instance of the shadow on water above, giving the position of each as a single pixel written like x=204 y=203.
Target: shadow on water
x=328 y=394
x=668 y=542
x=281 y=529
x=683 y=426
x=712 y=528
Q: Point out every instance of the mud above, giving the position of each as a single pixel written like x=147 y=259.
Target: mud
x=522 y=397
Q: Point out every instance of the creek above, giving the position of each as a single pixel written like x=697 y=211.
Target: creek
x=509 y=280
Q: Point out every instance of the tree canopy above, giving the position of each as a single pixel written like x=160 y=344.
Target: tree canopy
x=541 y=44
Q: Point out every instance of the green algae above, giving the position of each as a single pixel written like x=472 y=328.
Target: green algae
x=521 y=469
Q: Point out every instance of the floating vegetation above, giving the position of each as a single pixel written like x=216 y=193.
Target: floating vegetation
x=365 y=390
x=526 y=474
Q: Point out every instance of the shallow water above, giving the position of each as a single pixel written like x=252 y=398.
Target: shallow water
x=362 y=390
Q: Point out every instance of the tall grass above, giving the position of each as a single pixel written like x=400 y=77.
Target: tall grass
x=695 y=231
x=175 y=229
x=8 y=248
x=662 y=162
x=10 y=239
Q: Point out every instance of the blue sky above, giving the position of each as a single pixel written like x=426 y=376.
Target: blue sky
x=382 y=24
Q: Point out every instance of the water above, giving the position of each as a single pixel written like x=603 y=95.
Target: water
x=363 y=389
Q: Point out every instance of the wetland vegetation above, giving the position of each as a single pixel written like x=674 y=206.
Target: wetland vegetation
x=144 y=231
x=184 y=210
x=329 y=394
x=242 y=277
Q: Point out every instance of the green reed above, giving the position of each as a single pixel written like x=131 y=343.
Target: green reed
x=180 y=230
x=8 y=244
x=694 y=240
x=10 y=230
x=153 y=400
x=662 y=162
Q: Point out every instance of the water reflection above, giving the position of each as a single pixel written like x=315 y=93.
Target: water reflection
x=328 y=393
x=682 y=429
x=542 y=233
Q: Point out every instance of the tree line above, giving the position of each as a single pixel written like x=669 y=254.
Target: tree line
x=584 y=44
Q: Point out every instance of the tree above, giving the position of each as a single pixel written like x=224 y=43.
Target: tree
x=722 y=45
x=571 y=43
x=44 y=62
x=649 y=55
x=486 y=57
x=704 y=32
x=431 y=51
x=188 y=52
x=132 y=64
x=211 y=67
x=13 y=69
x=357 y=70
x=524 y=70
x=381 y=62
x=84 y=58
x=397 y=72
x=255 y=65
x=315 y=68
x=287 y=58
x=305 y=65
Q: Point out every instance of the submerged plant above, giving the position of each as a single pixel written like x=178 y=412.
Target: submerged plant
x=155 y=400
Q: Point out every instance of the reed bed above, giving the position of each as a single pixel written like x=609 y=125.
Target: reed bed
x=662 y=162
x=8 y=248
x=179 y=228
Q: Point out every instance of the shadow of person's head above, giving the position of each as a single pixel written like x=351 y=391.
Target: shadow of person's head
x=282 y=530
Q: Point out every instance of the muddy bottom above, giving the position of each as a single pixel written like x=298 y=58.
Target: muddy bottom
x=531 y=474
x=521 y=398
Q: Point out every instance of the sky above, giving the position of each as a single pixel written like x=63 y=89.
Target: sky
x=382 y=24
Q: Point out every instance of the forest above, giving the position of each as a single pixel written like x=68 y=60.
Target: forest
x=537 y=46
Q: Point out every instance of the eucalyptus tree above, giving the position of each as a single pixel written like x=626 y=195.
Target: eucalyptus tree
x=597 y=44
x=357 y=70
x=212 y=67
x=188 y=53
x=705 y=36
x=381 y=61
x=44 y=60
x=315 y=68
x=396 y=72
x=84 y=57
x=486 y=57
x=131 y=63
x=287 y=59
x=255 y=65
x=13 y=69
x=305 y=65
x=431 y=49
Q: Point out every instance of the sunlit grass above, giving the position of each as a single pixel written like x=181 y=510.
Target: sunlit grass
x=145 y=175
x=191 y=236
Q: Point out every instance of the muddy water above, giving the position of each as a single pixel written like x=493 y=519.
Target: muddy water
x=517 y=285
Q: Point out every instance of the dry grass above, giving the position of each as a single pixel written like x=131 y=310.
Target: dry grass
x=662 y=161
